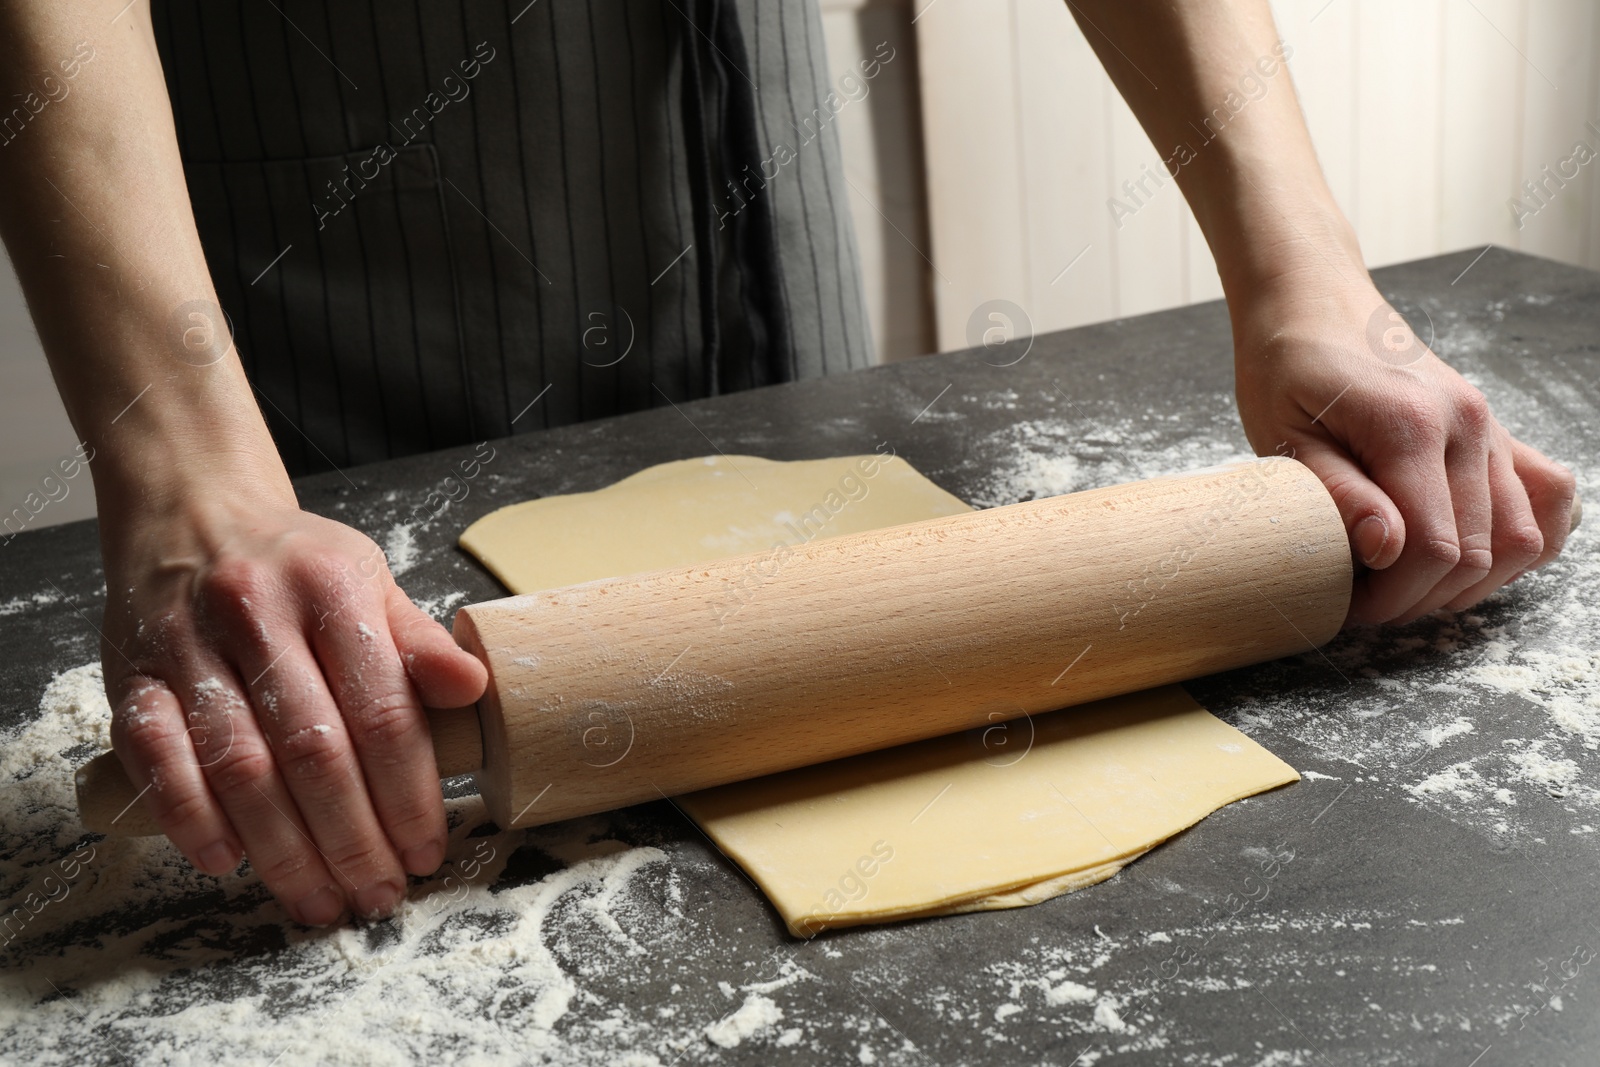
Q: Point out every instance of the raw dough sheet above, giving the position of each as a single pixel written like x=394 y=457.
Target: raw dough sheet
x=998 y=817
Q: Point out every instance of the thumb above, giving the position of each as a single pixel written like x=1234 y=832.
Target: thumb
x=446 y=675
x=1377 y=531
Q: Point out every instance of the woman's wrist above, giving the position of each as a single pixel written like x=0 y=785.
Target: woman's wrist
x=1277 y=241
x=185 y=470
x=193 y=429
x=1288 y=260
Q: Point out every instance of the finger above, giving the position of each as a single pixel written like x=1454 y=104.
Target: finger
x=445 y=674
x=1416 y=481
x=313 y=750
x=1373 y=522
x=1517 y=541
x=1467 y=465
x=243 y=776
x=1551 y=490
x=389 y=730
x=152 y=741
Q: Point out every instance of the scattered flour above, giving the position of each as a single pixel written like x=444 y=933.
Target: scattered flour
x=23 y=603
x=401 y=549
x=1564 y=679
x=754 y=1018
x=119 y=946
x=1063 y=454
x=1068 y=992
x=1282 y=1058
x=1105 y=1015
x=1438 y=735
x=438 y=608
x=1553 y=774
x=789 y=972
x=1459 y=780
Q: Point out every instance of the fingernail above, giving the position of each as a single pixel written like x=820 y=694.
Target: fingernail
x=377 y=901
x=423 y=859
x=321 y=908
x=218 y=858
x=1372 y=533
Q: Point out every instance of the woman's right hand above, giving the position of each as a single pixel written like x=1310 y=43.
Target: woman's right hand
x=268 y=678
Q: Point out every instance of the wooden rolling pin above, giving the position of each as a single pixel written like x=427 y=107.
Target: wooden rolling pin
x=631 y=689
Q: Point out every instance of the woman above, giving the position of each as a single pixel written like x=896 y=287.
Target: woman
x=413 y=220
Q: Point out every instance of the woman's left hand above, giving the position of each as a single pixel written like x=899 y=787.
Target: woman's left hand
x=1441 y=503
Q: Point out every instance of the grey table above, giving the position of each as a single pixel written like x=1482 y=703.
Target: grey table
x=1426 y=895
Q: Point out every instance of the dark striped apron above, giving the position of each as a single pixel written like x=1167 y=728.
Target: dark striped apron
x=435 y=223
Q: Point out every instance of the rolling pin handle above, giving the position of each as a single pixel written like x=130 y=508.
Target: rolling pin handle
x=457 y=739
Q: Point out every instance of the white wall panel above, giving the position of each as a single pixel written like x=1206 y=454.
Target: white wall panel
x=1427 y=116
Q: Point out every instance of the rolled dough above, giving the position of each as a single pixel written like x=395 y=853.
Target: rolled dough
x=693 y=510
x=997 y=817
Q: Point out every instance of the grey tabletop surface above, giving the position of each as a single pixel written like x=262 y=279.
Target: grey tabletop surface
x=1426 y=894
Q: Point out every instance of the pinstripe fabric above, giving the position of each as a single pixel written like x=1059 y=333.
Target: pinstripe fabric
x=482 y=206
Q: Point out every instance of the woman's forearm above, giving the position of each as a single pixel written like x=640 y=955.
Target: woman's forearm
x=1441 y=502
x=1208 y=81
x=96 y=217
